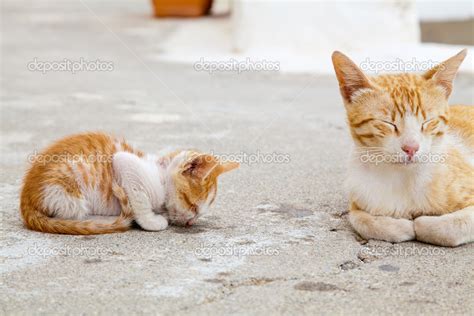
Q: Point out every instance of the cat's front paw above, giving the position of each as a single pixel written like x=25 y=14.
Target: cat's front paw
x=401 y=230
x=153 y=223
x=143 y=213
x=434 y=230
x=382 y=227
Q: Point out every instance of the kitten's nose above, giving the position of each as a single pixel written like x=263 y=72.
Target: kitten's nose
x=410 y=149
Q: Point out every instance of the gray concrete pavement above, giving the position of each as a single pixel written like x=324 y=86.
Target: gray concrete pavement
x=276 y=241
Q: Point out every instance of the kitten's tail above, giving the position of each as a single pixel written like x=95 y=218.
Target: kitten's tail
x=37 y=221
x=34 y=219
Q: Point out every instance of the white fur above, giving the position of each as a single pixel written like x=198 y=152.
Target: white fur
x=449 y=230
x=143 y=181
x=149 y=185
x=382 y=227
x=62 y=205
x=397 y=190
x=391 y=195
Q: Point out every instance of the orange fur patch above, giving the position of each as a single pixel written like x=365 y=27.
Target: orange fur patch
x=85 y=157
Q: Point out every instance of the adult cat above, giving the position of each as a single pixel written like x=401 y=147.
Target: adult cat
x=411 y=174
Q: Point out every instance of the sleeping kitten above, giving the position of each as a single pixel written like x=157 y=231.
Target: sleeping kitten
x=95 y=174
x=412 y=168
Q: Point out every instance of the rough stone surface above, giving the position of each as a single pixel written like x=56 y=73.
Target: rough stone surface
x=276 y=241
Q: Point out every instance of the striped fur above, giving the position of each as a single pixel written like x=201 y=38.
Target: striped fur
x=74 y=179
x=411 y=174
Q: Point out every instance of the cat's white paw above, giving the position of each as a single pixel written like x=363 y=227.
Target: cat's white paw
x=382 y=227
x=154 y=222
x=403 y=230
x=436 y=230
x=143 y=213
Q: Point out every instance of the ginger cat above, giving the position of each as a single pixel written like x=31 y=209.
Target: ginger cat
x=95 y=174
x=411 y=174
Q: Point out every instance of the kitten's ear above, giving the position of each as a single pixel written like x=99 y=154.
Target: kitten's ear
x=351 y=78
x=205 y=165
x=222 y=168
x=227 y=166
x=444 y=73
x=200 y=166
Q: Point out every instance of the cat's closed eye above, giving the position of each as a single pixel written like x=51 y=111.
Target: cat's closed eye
x=391 y=124
x=430 y=124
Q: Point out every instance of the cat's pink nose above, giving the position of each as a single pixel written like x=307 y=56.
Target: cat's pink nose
x=411 y=149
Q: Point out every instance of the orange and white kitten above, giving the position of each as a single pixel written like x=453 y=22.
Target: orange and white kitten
x=411 y=174
x=95 y=174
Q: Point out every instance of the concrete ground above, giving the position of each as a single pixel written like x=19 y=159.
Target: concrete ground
x=276 y=241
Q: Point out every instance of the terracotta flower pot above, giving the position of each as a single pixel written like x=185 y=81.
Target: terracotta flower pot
x=184 y=8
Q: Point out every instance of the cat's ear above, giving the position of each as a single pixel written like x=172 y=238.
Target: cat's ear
x=351 y=78
x=202 y=166
x=444 y=73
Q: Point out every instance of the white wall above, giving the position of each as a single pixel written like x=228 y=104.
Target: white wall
x=438 y=10
x=312 y=26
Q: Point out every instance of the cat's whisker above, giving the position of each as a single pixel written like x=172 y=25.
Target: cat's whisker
x=368 y=147
x=371 y=152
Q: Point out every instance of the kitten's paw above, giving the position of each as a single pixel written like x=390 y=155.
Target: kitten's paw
x=435 y=230
x=153 y=222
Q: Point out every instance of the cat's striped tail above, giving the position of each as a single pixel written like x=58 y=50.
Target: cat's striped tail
x=36 y=220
